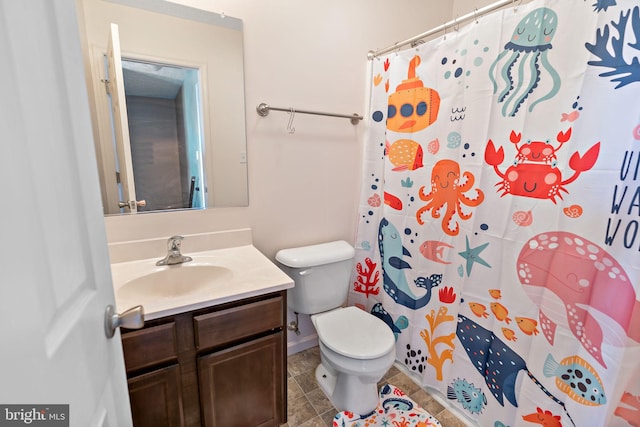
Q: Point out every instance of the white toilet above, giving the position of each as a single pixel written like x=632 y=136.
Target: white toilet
x=356 y=348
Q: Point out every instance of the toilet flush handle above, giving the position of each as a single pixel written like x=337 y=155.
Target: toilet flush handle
x=305 y=272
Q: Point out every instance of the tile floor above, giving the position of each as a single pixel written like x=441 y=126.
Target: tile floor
x=309 y=407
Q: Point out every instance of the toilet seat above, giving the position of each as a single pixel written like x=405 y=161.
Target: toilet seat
x=354 y=333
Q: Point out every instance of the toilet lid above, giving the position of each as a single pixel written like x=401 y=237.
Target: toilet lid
x=354 y=333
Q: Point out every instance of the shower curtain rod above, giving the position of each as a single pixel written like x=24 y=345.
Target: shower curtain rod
x=453 y=23
x=263 y=110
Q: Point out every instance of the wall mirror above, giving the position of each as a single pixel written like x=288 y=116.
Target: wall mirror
x=168 y=110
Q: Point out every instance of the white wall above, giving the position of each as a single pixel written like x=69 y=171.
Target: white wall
x=303 y=187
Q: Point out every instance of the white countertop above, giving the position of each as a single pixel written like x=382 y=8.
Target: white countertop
x=248 y=273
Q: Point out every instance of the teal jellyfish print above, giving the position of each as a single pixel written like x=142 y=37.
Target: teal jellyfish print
x=524 y=60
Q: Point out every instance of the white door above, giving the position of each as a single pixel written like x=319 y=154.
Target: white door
x=120 y=118
x=54 y=267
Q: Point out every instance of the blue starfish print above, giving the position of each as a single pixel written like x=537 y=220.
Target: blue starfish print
x=473 y=255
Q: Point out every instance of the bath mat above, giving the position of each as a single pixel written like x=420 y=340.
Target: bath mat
x=394 y=408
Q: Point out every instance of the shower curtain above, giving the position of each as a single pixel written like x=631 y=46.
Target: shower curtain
x=498 y=232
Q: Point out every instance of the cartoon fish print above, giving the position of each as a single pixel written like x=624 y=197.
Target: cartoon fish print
x=570 y=117
x=527 y=325
x=404 y=154
x=401 y=323
x=434 y=250
x=496 y=362
x=500 y=311
x=495 y=293
x=470 y=397
x=392 y=201
x=509 y=334
x=478 y=309
x=575 y=377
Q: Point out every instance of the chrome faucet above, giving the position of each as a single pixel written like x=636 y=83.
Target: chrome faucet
x=173 y=252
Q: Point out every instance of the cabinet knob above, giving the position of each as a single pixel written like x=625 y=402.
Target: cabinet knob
x=130 y=319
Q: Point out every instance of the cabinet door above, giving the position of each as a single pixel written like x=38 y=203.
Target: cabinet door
x=156 y=400
x=243 y=386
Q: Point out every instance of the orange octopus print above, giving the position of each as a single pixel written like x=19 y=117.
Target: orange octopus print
x=446 y=189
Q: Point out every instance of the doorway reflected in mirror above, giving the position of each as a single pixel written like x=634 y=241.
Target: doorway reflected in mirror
x=164 y=114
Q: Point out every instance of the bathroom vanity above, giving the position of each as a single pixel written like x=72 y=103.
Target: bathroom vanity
x=219 y=366
x=211 y=354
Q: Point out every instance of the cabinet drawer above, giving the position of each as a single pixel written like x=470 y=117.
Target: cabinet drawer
x=224 y=326
x=150 y=346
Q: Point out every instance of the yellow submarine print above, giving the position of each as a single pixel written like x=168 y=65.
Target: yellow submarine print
x=412 y=107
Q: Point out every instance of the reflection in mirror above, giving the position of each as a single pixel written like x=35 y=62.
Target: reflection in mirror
x=163 y=110
x=197 y=54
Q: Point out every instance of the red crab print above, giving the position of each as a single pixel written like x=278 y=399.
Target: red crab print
x=538 y=151
x=534 y=172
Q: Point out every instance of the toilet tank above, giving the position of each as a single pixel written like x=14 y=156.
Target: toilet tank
x=321 y=274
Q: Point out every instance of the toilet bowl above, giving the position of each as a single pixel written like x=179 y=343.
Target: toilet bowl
x=356 y=348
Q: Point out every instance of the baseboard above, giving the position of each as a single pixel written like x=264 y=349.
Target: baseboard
x=302 y=344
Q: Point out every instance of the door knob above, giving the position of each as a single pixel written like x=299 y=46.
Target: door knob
x=130 y=319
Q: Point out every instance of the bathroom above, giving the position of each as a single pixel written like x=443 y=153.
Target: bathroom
x=303 y=186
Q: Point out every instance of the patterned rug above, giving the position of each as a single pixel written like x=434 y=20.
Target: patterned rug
x=395 y=409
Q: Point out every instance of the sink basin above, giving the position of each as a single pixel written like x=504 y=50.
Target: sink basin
x=214 y=277
x=176 y=281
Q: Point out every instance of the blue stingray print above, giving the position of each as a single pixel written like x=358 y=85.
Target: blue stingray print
x=496 y=362
x=526 y=58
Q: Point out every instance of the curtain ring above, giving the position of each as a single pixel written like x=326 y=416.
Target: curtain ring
x=475 y=14
x=456 y=26
x=445 y=31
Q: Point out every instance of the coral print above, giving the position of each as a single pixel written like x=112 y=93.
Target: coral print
x=534 y=172
x=367 y=278
x=629 y=410
x=544 y=418
x=526 y=57
x=434 y=343
x=448 y=191
x=624 y=65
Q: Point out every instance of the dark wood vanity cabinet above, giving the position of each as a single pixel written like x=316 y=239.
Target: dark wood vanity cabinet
x=222 y=366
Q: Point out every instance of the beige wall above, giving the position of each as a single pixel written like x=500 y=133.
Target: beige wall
x=303 y=187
